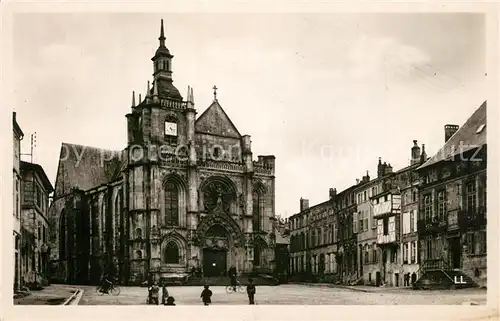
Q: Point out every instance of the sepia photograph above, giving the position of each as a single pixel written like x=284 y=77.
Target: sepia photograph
x=239 y=159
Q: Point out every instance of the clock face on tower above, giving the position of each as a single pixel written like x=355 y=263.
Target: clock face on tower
x=170 y=129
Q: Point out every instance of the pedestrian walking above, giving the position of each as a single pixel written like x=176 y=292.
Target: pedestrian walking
x=251 y=291
x=164 y=294
x=154 y=293
x=206 y=295
x=232 y=277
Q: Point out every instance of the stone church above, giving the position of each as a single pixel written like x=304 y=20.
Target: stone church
x=185 y=192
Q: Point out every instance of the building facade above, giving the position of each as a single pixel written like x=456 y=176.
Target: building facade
x=366 y=229
x=36 y=189
x=185 y=192
x=409 y=212
x=313 y=241
x=452 y=212
x=366 y=226
x=347 y=254
x=17 y=194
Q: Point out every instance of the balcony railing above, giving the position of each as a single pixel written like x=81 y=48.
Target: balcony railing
x=392 y=237
x=222 y=165
x=431 y=225
x=261 y=169
x=460 y=219
x=475 y=217
x=433 y=265
x=389 y=207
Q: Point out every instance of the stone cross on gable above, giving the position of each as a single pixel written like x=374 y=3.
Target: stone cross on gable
x=215 y=92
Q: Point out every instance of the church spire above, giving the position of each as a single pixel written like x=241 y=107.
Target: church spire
x=162 y=69
x=162 y=35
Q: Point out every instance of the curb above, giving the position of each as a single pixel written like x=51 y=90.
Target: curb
x=334 y=286
x=70 y=301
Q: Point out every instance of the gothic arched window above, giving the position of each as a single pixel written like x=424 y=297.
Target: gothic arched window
x=171 y=204
x=171 y=253
x=62 y=236
x=258 y=208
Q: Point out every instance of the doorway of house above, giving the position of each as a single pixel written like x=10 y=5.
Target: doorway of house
x=377 y=278
x=321 y=266
x=396 y=278
x=455 y=252
x=214 y=262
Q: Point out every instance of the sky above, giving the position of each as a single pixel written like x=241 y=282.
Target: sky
x=327 y=94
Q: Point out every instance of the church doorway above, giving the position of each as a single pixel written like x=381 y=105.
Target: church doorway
x=214 y=262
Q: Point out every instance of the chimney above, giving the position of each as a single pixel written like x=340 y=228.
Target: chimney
x=357 y=181
x=415 y=153
x=449 y=130
x=423 y=157
x=380 y=169
x=304 y=204
x=387 y=169
x=366 y=178
x=333 y=193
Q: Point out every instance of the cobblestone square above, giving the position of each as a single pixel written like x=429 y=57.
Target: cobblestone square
x=294 y=295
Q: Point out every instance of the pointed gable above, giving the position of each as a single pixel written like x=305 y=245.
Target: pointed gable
x=86 y=167
x=471 y=135
x=215 y=121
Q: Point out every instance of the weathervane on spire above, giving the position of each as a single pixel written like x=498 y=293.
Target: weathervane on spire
x=215 y=92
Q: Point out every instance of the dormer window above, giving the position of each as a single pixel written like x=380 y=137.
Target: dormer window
x=480 y=128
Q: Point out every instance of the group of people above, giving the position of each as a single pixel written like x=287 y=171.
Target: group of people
x=206 y=294
x=154 y=294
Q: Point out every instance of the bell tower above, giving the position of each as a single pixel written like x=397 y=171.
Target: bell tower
x=162 y=70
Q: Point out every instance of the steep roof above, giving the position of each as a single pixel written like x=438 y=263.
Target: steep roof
x=26 y=166
x=280 y=239
x=470 y=136
x=15 y=125
x=214 y=120
x=86 y=167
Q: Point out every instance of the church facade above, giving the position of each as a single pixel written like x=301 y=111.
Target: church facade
x=185 y=192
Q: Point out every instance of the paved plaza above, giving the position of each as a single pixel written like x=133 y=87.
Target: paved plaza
x=294 y=295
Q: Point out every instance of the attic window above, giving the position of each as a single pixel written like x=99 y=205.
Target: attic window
x=480 y=128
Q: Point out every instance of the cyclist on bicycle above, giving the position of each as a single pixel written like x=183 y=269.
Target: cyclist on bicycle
x=232 y=274
x=105 y=284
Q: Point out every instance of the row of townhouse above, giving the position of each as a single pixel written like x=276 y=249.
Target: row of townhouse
x=31 y=190
x=402 y=226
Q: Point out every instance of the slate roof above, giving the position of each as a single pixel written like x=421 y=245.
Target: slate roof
x=86 y=167
x=465 y=138
x=280 y=239
x=214 y=120
x=166 y=89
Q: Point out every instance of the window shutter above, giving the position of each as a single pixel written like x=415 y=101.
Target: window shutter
x=355 y=222
x=480 y=192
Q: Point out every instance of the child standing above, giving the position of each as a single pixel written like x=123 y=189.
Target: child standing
x=206 y=295
x=164 y=294
x=251 y=291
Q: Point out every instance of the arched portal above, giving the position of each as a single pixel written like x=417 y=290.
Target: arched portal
x=217 y=246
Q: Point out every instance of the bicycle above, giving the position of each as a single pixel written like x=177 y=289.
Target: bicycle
x=239 y=288
x=113 y=289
